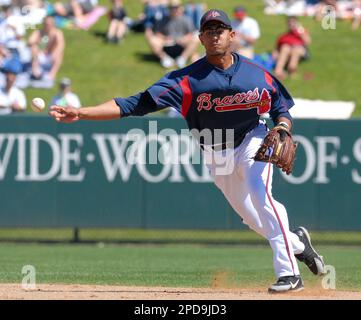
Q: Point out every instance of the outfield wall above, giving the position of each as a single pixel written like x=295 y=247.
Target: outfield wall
x=58 y=175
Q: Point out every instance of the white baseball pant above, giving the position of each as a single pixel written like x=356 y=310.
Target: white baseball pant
x=247 y=185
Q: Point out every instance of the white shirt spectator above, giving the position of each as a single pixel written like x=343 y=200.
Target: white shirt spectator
x=248 y=27
x=10 y=29
x=5 y=2
x=7 y=99
x=12 y=32
x=70 y=99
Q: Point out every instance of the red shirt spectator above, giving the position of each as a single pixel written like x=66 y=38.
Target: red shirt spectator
x=292 y=38
x=291 y=48
x=296 y=35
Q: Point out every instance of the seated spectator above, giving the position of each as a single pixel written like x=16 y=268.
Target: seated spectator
x=195 y=11
x=32 y=12
x=75 y=8
x=65 y=97
x=356 y=14
x=174 y=40
x=10 y=31
x=288 y=7
x=247 y=32
x=294 y=7
x=47 y=49
x=292 y=47
x=321 y=9
x=117 y=26
x=12 y=36
x=12 y=99
x=275 y=6
x=311 y=7
x=154 y=10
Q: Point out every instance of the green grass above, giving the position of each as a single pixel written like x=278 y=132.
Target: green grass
x=170 y=265
x=165 y=236
x=100 y=71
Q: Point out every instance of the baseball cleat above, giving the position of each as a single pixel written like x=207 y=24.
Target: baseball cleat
x=309 y=256
x=287 y=284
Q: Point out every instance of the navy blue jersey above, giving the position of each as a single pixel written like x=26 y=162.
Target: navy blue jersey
x=211 y=98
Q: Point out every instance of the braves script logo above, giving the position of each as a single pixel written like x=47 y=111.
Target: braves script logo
x=213 y=14
x=239 y=101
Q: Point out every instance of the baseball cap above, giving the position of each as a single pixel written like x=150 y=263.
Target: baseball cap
x=65 y=82
x=240 y=11
x=215 y=15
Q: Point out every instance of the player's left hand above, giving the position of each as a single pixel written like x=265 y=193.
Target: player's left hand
x=64 y=114
x=278 y=148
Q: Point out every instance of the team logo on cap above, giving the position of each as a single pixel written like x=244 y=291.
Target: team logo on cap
x=240 y=101
x=213 y=14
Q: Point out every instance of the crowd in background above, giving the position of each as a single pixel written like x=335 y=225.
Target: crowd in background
x=343 y=9
x=170 y=28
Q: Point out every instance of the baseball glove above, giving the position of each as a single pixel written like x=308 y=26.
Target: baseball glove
x=278 y=148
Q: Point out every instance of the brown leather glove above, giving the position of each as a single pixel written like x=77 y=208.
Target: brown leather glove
x=278 y=148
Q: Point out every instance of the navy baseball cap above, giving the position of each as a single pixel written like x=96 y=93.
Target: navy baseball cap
x=215 y=15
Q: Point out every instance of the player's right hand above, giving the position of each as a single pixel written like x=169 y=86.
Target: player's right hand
x=64 y=114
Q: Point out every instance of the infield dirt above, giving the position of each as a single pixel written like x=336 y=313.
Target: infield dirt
x=99 y=292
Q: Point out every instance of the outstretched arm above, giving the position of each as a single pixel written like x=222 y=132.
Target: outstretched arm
x=165 y=93
x=106 y=111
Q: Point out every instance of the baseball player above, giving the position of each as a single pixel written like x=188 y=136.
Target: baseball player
x=227 y=91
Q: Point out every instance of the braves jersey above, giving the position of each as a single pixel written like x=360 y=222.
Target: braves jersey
x=212 y=98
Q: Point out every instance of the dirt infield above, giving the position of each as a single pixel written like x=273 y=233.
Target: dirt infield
x=89 y=292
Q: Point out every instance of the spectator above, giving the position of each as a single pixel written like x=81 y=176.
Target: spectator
x=12 y=33
x=194 y=11
x=247 y=32
x=275 y=6
x=65 y=97
x=174 y=40
x=356 y=14
x=291 y=7
x=154 y=12
x=47 y=48
x=311 y=7
x=117 y=27
x=12 y=99
x=292 y=47
x=323 y=7
x=75 y=8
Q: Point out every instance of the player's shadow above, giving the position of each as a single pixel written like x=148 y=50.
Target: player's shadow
x=146 y=57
